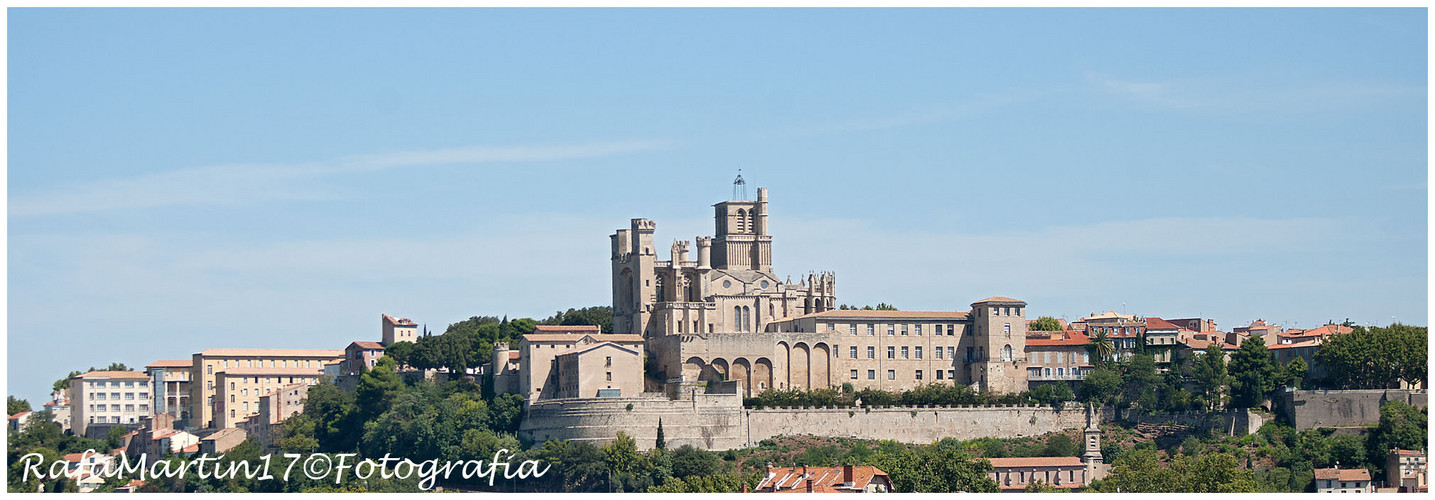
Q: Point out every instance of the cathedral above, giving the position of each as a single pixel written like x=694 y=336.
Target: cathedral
x=727 y=316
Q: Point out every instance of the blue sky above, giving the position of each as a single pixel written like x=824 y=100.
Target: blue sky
x=200 y=178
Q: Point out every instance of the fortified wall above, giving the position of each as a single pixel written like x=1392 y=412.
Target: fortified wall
x=1345 y=408
x=714 y=419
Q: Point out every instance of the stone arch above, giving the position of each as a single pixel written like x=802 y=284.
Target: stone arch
x=807 y=306
x=693 y=369
x=742 y=372
x=761 y=375
x=783 y=358
x=741 y=220
x=798 y=368
x=720 y=369
x=820 y=366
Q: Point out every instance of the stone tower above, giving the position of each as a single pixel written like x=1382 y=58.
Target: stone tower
x=634 y=287
x=1092 y=457
x=741 y=240
x=1000 y=341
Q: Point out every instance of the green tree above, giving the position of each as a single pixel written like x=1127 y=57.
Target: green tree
x=1209 y=369
x=64 y=383
x=691 y=461
x=622 y=454
x=1045 y=324
x=1374 y=358
x=601 y=316
x=1061 y=445
x=1253 y=373
x=661 y=444
x=13 y=406
x=1101 y=385
x=1401 y=426
x=942 y=467
x=1295 y=372
x=400 y=352
x=377 y=389
x=1140 y=381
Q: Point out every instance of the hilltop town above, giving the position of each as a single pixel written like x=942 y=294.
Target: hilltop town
x=717 y=358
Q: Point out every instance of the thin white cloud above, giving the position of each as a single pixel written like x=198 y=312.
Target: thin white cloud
x=246 y=184
x=1231 y=95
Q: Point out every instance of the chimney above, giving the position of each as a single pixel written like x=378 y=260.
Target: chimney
x=809 y=485
x=847 y=474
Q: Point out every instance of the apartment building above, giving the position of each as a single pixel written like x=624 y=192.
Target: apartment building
x=238 y=390
x=109 y=397
x=210 y=364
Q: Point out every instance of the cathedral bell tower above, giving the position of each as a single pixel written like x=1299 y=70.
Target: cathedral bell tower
x=740 y=237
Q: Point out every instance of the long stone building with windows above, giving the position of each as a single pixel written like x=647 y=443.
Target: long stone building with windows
x=727 y=316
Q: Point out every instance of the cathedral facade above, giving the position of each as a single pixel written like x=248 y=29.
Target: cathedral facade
x=727 y=316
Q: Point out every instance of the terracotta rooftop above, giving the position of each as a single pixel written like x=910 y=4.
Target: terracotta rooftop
x=1343 y=474
x=1309 y=343
x=398 y=321
x=1160 y=324
x=999 y=298
x=171 y=363
x=276 y=353
x=1202 y=344
x=513 y=354
x=20 y=415
x=880 y=315
x=1000 y=463
x=824 y=479
x=1061 y=338
x=112 y=374
x=567 y=328
x=221 y=433
x=272 y=371
x=567 y=337
x=1410 y=453
x=365 y=344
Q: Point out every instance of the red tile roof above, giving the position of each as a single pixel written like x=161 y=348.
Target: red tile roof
x=112 y=374
x=824 y=479
x=999 y=298
x=399 y=321
x=513 y=354
x=365 y=344
x=306 y=353
x=1160 y=324
x=1057 y=339
x=1412 y=453
x=1310 y=343
x=564 y=337
x=20 y=415
x=1343 y=474
x=1000 y=463
x=567 y=328
x=171 y=363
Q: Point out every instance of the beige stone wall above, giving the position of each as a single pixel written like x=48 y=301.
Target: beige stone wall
x=914 y=425
x=718 y=422
x=209 y=363
x=606 y=366
x=238 y=391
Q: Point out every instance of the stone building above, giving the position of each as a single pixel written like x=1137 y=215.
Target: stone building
x=238 y=391
x=541 y=377
x=728 y=316
x=398 y=330
x=361 y=355
x=1338 y=480
x=1406 y=471
x=274 y=409
x=1014 y=474
x=1057 y=357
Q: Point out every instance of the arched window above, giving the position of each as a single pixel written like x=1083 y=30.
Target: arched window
x=661 y=289
x=746 y=319
x=741 y=220
x=737 y=318
x=1006 y=353
x=1046 y=372
x=1061 y=372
